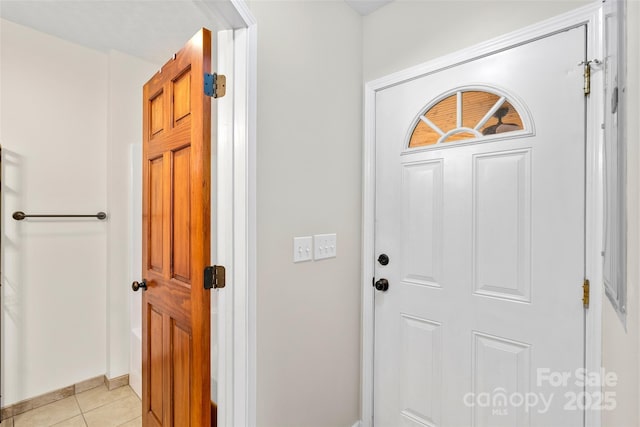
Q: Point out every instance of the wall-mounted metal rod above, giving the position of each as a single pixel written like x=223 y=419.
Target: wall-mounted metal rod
x=19 y=216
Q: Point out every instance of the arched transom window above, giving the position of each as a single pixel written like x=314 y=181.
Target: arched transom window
x=465 y=114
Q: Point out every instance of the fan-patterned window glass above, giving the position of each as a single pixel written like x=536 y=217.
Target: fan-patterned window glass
x=465 y=115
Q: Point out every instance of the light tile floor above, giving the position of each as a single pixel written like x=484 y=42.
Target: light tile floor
x=97 y=407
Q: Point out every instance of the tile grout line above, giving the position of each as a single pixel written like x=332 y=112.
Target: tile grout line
x=82 y=412
x=13 y=419
x=84 y=420
x=105 y=404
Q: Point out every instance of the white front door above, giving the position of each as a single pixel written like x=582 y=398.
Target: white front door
x=480 y=207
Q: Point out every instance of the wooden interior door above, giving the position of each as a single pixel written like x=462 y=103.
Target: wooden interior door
x=176 y=240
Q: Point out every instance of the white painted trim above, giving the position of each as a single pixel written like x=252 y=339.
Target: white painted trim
x=589 y=15
x=357 y=424
x=222 y=197
x=237 y=307
x=251 y=219
x=594 y=221
x=245 y=236
x=368 y=253
x=243 y=310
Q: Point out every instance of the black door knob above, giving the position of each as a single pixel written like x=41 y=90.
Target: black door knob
x=383 y=259
x=135 y=285
x=382 y=285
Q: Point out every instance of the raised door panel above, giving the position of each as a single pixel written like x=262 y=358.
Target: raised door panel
x=502 y=225
x=501 y=369
x=155 y=208
x=420 y=371
x=181 y=97
x=181 y=246
x=156 y=112
x=421 y=250
x=181 y=375
x=156 y=365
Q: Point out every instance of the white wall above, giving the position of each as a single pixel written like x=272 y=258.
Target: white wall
x=69 y=118
x=621 y=345
x=54 y=138
x=408 y=32
x=127 y=75
x=309 y=182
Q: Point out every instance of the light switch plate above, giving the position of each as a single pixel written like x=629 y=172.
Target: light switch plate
x=324 y=246
x=302 y=248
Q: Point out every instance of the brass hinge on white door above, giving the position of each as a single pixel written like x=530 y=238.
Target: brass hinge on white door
x=585 y=293
x=587 y=74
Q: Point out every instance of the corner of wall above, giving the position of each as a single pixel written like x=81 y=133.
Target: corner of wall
x=126 y=76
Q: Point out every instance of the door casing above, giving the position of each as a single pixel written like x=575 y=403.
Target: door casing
x=591 y=16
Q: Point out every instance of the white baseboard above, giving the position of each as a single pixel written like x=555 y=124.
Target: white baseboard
x=357 y=424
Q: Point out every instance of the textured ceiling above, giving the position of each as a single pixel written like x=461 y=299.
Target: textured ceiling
x=149 y=29
x=152 y=30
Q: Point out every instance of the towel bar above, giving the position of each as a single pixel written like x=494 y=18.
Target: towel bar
x=19 y=216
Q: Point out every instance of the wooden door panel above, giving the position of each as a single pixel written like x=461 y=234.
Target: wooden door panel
x=156 y=363
x=155 y=253
x=176 y=240
x=181 y=97
x=181 y=353
x=180 y=256
x=156 y=114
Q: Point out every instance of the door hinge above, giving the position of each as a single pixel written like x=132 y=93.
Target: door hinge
x=587 y=74
x=215 y=85
x=585 y=293
x=587 y=79
x=214 y=277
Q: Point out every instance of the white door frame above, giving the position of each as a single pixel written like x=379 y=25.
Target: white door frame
x=236 y=218
x=590 y=15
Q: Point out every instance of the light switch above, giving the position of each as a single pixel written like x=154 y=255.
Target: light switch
x=324 y=246
x=302 y=248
